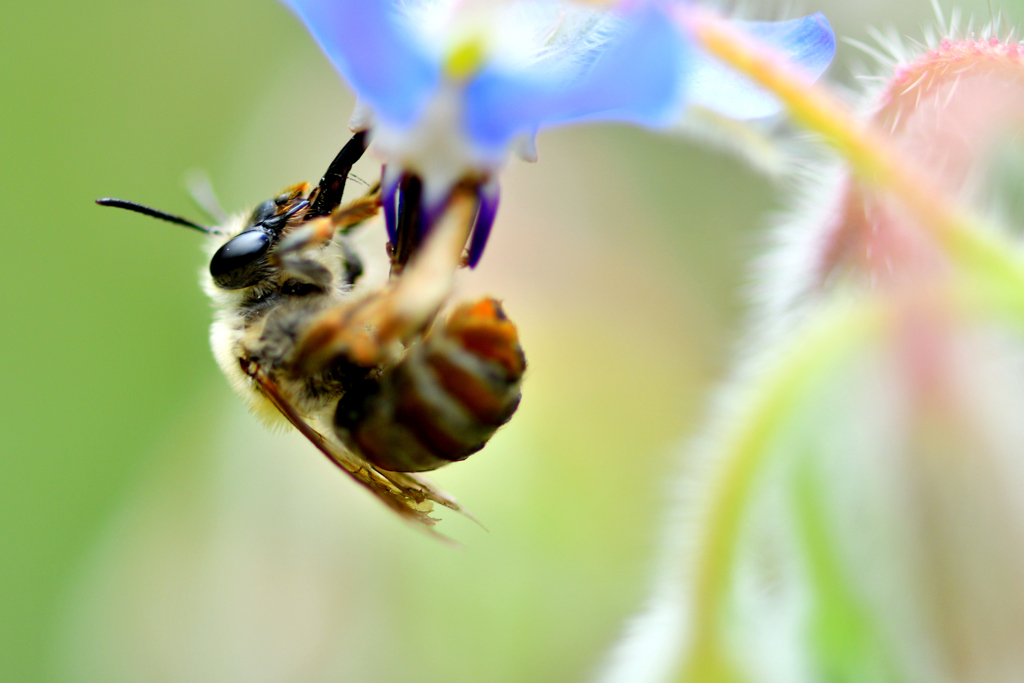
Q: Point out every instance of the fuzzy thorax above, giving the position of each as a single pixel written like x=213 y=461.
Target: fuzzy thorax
x=240 y=326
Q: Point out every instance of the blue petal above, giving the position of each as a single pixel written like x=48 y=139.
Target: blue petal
x=633 y=77
x=374 y=52
x=807 y=42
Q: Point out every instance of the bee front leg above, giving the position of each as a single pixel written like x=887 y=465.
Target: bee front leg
x=368 y=331
x=291 y=254
x=319 y=231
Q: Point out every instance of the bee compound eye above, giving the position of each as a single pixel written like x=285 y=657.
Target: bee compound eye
x=263 y=212
x=237 y=264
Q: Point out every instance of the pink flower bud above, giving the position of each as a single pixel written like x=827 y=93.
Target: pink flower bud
x=946 y=113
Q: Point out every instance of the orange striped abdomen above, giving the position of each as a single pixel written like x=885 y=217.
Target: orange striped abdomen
x=445 y=397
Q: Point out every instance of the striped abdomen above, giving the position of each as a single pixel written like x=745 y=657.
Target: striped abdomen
x=444 y=399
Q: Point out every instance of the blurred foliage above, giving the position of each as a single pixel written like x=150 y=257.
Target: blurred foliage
x=619 y=255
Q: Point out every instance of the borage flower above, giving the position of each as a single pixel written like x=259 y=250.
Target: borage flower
x=449 y=87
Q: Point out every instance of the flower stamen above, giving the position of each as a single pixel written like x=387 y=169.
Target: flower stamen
x=466 y=59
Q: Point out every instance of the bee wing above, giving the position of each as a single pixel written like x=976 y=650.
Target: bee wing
x=410 y=496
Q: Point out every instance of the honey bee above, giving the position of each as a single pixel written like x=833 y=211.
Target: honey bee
x=381 y=383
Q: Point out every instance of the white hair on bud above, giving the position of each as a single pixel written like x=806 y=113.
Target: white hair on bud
x=788 y=286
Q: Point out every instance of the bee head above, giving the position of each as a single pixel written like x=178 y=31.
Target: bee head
x=245 y=259
x=242 y=261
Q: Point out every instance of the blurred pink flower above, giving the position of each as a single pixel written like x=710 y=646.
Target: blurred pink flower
x=856 y=512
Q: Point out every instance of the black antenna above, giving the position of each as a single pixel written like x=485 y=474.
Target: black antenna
x=147 y=211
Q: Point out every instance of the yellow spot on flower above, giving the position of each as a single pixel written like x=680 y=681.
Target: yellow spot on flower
x=465 y=59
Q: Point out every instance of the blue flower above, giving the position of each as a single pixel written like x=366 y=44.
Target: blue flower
x=449 y=87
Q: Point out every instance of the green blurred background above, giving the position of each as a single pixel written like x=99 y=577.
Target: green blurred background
x=151 y=530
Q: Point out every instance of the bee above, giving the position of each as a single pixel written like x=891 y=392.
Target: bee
x=381 y=382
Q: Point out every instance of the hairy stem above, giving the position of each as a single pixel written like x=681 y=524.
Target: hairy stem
x=807 y=358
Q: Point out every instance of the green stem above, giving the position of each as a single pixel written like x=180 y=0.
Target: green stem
x=988 y=263
x=848 y=643
x=806 y=359
x=774 y=399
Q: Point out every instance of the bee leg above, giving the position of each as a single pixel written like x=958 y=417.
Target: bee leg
x=413 y=299
x=314 y=233
x=365 y=332
x=358 y=211
x=414 y=482
x=319 y=231
x=411 y=498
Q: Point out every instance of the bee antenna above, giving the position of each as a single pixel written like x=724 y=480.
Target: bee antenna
x=148 y=211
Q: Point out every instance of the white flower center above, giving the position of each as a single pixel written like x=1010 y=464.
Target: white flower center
x=512 y=35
